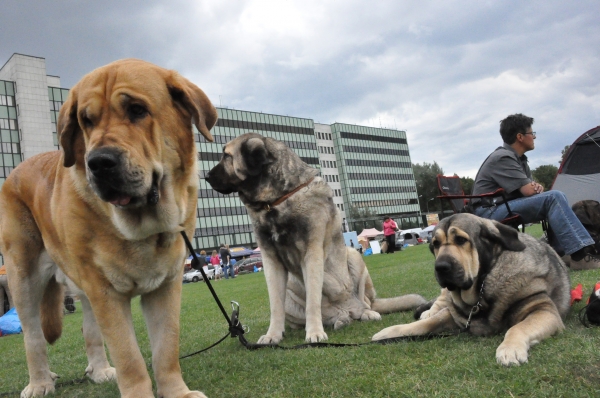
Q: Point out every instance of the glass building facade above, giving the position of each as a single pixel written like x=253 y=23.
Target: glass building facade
x=368 y=169
x=10 y=146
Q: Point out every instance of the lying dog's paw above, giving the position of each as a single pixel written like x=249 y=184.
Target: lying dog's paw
x=101 y=375
x=425 y=314
x=509 y=354
x=269 y=339
x=316 y=337
x=342 y=322
x=389 y=333
x=40 y=388
x=370 y=315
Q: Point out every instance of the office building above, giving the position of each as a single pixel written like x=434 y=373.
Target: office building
x=368 y=169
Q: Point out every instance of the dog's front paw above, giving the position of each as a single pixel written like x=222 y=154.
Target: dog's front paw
x=316 y=337
x=270 y=339
x=40 y=388
x=370 y=315
x=425 y=314
x=101 y=375
x=389 y=333
x=509 y=354
x=341 y=322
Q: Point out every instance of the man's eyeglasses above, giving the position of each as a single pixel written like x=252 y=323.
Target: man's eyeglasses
x=532 y=133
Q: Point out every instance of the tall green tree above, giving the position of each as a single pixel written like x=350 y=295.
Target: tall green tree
x=425 y=177
x=545 y=175
x=467 y=184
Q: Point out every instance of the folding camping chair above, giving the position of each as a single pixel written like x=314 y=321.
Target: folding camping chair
x=451 y=190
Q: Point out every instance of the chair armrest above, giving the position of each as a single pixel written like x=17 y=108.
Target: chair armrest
x=497 y=192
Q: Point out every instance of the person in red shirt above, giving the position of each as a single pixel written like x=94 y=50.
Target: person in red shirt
x=389 y=231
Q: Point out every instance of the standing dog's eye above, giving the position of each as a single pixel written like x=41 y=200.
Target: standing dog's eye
x=136 y=112
x=459 y=240
x=436 y=244
x=87 y=122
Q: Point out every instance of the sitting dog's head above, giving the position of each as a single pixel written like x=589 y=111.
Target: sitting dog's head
x=465 y=246
x=259 y=168
x=127 y=129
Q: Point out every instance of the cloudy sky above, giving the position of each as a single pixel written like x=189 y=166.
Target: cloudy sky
x=446 y=72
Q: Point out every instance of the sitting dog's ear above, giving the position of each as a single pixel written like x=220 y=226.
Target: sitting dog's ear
x=505 y=236
x=255 y=155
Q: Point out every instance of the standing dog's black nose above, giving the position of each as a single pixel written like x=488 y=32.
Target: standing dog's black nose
x=104 y=161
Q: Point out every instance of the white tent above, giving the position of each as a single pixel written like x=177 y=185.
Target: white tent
x=370 y=233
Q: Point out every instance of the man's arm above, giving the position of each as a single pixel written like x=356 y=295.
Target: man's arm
x=533 y=188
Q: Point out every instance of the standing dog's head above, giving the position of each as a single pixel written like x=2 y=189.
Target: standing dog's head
x=465 y=246
x=127 y=129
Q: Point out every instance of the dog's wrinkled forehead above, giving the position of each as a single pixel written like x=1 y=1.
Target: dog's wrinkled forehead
x=468 y=223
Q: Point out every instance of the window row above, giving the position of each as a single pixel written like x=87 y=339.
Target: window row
x=58 y=94
x=224 y=139
x=7 y=88
x=324 y=136
x=222 y=230
x=331 y=177
x=373 y=176
x=376 y=151
x=10 y=160
x=240 y=124
x=376 y=163
x=7 y=100
x=326 y=149
x=8 y=124
x=222 y=211
x=10 y=148
x=337 y=192
x=376 y=190
x=382 y=203
x=340 y=206
x=328 y=164
x=10 y=136
x=368 y=137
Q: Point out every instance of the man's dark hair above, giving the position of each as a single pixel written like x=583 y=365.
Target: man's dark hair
x=513 y=125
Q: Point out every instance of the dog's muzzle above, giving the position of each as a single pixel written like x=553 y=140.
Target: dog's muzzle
x=451 y=275
x=113 y=182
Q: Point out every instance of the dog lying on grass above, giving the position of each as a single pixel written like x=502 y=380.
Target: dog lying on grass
x=505 y=280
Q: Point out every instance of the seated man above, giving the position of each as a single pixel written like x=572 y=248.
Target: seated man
x=507 y=168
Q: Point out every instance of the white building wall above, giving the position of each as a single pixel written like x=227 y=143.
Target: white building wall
x=33 y=109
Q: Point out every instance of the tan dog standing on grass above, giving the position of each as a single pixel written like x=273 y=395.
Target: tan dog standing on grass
x=108 y=211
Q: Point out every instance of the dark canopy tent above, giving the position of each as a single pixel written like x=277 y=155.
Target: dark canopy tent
x=579 y=173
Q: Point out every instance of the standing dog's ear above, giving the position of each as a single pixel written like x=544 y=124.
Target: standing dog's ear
x=505 y=236
x=254 y=155
x=192 y=99
x=68 y=128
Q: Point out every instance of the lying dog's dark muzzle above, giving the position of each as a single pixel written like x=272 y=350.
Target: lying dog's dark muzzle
x=451 y=275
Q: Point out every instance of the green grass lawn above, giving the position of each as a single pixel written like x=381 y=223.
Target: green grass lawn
x=565 y=365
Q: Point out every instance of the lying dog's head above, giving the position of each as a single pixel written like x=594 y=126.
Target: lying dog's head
x=127 y=128
x=259 y=168
x=465 y=246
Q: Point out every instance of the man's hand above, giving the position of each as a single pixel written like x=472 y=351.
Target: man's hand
x=533 y=188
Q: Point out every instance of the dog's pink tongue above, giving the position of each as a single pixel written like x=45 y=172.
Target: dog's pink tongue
x=121 y=201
